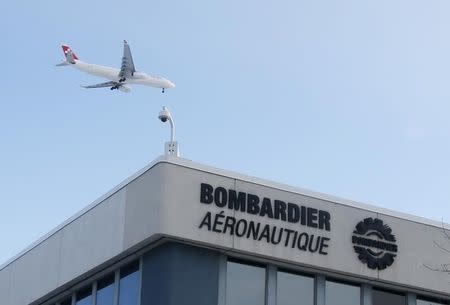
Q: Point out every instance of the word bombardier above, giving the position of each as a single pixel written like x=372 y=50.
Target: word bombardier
x=274 y=209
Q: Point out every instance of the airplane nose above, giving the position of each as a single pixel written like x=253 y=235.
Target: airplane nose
x=171 y=85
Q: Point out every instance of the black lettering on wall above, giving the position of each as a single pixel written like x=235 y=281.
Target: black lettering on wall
x=229 y=224
x=220 y=197
x=241 y=227
x=206 y=221
x=231 y=200
x=303 y=216
x=236 y=201
x=280 y=210
x=293 y=212
x=218 y=222
x=313 y=246
x=266 y=208
x=221 y=223
x=324 y=220
x=302 y=242
x=294 y=240
x=275 y=239
x=323 y=245
x=252 y=204
x=377 y=253
x=253 y=230
x=288 y=235
x=312 y=217
x=206 y=192
x=265 y=233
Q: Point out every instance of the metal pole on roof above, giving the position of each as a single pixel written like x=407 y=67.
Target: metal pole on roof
x=171 y=148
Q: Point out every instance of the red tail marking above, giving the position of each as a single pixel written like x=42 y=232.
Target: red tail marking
x=66 y=49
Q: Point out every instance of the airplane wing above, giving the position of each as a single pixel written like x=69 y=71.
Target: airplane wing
x=103 y=85
x=112 y=85
x=127 y=68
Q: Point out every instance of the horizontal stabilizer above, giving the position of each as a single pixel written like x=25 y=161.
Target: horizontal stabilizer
x=62 y=64
x=124 y=88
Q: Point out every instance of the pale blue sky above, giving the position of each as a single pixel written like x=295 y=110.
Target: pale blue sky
x=349 y=98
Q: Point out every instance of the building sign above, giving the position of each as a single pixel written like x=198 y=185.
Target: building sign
x=374 y=243
x=230 y=200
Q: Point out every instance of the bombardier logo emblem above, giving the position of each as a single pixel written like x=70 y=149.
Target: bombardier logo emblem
x=374 y=243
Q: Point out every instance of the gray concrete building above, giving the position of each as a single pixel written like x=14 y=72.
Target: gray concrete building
x=178 y=232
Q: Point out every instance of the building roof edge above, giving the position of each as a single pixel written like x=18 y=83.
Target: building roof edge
x=234 y=175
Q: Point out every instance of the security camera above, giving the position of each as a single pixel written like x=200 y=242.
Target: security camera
x=164 y=115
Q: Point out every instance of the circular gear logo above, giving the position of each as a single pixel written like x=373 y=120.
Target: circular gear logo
x=374 y=243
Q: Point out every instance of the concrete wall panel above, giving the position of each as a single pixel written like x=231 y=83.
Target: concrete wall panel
x=182 y=211
x=144 y=206
x=417 y=249
x=5 y=285
x=93 y=238
x=36 y=273
x=340 y=255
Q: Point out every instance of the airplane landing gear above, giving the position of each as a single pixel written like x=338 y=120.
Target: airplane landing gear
x=163 y=90
x=114 y=87
x=122 y=80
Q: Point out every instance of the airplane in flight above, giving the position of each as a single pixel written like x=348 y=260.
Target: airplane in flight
x=118 y=78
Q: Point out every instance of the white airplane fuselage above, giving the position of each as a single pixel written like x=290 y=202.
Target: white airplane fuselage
x=112 y=74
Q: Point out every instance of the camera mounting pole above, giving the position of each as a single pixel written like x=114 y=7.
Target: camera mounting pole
x=171 y=148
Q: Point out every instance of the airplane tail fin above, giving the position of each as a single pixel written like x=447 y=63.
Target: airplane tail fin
x=69 y=54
